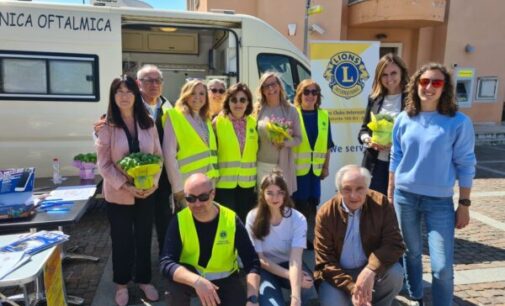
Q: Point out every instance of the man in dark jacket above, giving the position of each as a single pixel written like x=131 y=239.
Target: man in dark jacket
x=150 y=81
x=357 y=244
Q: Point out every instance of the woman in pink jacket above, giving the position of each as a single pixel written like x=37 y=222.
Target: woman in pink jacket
x=130 y=211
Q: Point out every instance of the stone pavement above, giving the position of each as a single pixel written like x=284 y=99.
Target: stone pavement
x=479 y=252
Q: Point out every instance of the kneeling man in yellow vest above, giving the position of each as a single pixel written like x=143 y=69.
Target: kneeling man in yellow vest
x=201 y=252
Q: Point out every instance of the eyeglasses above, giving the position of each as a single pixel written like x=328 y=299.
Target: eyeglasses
x=269 y=85
x=275 y=194
x=241 y=100
x=152 y=81
x=215 y=90
x=313 y=92
x=201 y=197
x=436 y=83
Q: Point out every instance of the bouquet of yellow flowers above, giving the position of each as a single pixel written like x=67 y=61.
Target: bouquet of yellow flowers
x=142 y=167
x=381 y=126
x=279 y=129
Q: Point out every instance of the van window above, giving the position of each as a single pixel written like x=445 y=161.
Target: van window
x=48 y=76
x=291 y=71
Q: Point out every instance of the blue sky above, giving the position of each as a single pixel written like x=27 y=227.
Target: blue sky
x=161 y=4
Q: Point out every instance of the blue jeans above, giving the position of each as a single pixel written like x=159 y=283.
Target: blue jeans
x=439 y=218
x=271 y=288
x=385 y=288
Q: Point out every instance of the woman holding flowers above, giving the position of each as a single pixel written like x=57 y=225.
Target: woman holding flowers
x=278 y=129
x=128 y=129
x=312 y=155
x=278 y=233
x=189 y=143
x=433 y=145
x=387 y=101
x=237 y=149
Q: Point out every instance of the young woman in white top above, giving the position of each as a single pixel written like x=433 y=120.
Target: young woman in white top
x=278 y=233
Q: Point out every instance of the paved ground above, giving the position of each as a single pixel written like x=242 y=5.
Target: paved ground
x=479 y=254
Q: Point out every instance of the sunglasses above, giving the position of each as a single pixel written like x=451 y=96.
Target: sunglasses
x=241 y=100
x=201 y=197
x=313 y=92
x=270 y=85
x=434 y=82
x=215 y=90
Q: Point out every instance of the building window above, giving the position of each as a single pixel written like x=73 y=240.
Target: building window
x=487 y=88
x=48 y=76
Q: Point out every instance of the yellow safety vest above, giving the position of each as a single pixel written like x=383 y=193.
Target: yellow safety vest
x=305 y=155
x=223 y=261
x=194 y=155
x=235 y=168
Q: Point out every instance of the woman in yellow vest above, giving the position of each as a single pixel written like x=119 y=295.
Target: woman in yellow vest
x=237 y=147
x=189 y=143
x=273 y=107
x=313 y=153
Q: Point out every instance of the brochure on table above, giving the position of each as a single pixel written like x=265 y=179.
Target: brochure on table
x=16 y=186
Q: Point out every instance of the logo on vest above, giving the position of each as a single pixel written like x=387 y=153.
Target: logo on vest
x=346 y=74
x=223 y=238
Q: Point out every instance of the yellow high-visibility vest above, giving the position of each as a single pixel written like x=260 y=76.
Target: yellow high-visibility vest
x=236 y=168
x=305 y=156
x=194 y=155
x=223 y=261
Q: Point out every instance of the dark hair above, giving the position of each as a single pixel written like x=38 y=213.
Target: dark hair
x=377 y=88
x=139 y=110
x=446 y=104
x=261 y=225
x=231 y=92
x=299 y=92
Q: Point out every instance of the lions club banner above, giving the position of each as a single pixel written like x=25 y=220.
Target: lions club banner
x=345 y=71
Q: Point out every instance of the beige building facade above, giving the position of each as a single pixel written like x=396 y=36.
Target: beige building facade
x=466 y=35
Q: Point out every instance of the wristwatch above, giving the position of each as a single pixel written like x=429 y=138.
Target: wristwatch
x=465 y=202
x=253 y=299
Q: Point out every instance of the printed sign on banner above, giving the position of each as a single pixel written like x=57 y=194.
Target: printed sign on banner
x=345 y=72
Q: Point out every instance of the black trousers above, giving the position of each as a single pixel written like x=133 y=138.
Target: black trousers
x=131 y=228
x=232 y=292
x=162 y=215
x=240 y=200
x=380 y=177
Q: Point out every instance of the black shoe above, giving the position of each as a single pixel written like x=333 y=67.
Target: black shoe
x=419 y=302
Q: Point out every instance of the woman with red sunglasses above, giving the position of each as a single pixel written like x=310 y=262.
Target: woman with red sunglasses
x=313 y=153
x=433 y=145
x=387 y=97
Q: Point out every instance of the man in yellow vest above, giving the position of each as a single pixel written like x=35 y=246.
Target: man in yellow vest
x=201 y=252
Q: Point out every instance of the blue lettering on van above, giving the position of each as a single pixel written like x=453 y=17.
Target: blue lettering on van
x=53 y=21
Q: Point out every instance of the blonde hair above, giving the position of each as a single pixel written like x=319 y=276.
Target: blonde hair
x=187 y=90
x=261 y=99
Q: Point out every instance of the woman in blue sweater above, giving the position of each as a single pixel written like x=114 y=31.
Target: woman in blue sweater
x=433 y=145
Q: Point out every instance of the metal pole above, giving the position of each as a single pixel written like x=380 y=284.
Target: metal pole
x=306 y=27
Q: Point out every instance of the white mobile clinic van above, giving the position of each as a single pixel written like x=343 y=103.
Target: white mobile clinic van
x=57 y=62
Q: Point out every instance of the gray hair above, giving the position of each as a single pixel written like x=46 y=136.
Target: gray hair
x=363 y=171
x=216 y=81
x=148 y=68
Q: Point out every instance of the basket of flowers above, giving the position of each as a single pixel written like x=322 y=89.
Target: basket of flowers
x=86 y=163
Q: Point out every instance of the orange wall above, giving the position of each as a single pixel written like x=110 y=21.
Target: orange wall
x=407 y=37
x=487 y=35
